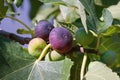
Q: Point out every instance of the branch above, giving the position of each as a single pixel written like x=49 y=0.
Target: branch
x=21 y=40
x=83 y=50
x=25 y=40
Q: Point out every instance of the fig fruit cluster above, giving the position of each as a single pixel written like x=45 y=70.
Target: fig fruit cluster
x=59 y=38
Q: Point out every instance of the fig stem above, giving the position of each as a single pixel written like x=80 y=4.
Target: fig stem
x=26 y=26
x=44 y=52
x=98 y=42
x=83 y=66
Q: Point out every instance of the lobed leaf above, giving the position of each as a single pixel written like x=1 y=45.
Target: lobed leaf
x=99 y=71
x=16 y=64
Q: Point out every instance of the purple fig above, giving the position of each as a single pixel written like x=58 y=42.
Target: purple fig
x=61 y=39
x=43 y=29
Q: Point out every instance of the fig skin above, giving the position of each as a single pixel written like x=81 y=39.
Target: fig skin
x=83 y=38
x=54 y=56
x=108 y=57
x=61 y=40
x=35 y=46
x=43 y=29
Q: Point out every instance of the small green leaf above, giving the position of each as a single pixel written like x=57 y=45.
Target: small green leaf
x=3 y=9
x=23 y=31
x=99 y=71
x=111 y=30
x=18 y=3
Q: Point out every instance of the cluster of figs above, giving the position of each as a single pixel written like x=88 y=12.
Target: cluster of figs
x=60 y=39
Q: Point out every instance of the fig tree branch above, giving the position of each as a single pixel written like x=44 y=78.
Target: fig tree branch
x=25 y=40
x=21 y=40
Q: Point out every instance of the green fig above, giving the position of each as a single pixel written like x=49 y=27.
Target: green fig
x=54 y=56
x=36 y=46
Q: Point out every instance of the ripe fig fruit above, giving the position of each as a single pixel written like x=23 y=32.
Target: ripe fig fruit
x=61 y=39
x=36 y=46
x=108 y=57
x=54 y=56
x=83 y=38
x=43 y=29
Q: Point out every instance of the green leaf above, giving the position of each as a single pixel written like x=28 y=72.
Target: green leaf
x=112 y=30
x=99 y=71
x=3 y=9
x=42 y=70
x=80 y=10
x=69 y=13
x=107 y=21
x=106 y=3
x=13 y=57
x=19 y=65
x=23 y=31
x=45 y=11
x=111 y=43
x=92 y=17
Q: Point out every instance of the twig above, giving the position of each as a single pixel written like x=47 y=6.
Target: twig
x=83 y=66
x=26 y=26
x=21 y=40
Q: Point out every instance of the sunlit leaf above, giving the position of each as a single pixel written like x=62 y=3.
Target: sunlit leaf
x=112 y=30
x=69 y=13
x=99 y=71
x=115 y=10
x=107 y=21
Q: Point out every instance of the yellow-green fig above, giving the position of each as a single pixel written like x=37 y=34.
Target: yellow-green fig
x=35 y=46
x=54 y=56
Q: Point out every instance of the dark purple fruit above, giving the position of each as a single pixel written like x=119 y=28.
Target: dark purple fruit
x=61 y=39
x=43 y=29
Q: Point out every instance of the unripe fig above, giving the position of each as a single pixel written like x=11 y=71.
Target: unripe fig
x=54 y=56
x=83 y=38
x=60 y=39
x=43 y=29
x=108 y=57
x=36 y=46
